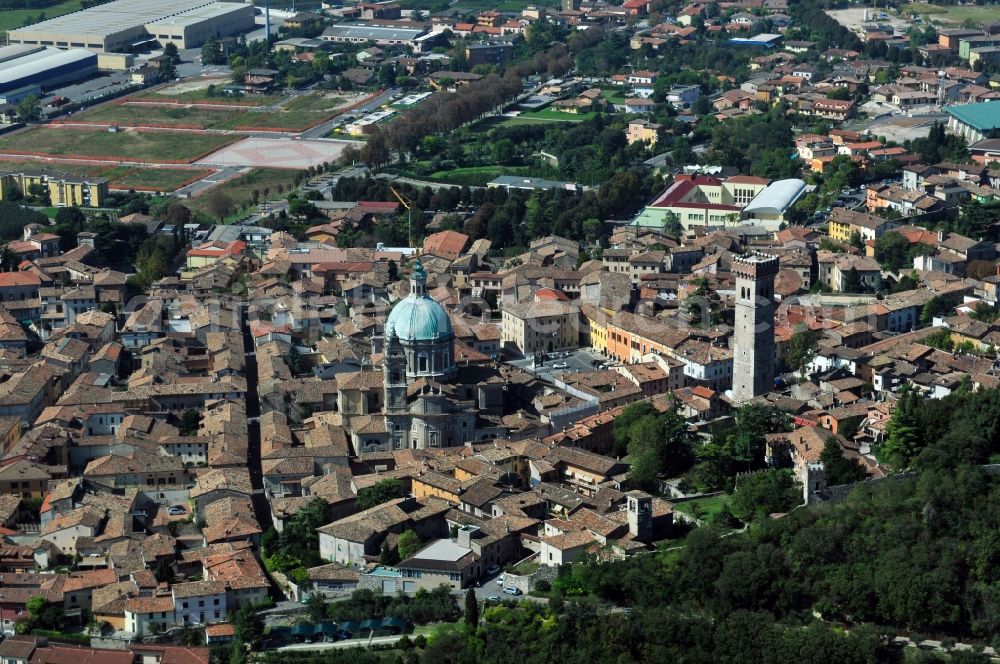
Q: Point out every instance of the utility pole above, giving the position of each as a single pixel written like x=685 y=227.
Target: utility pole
x=267 y=21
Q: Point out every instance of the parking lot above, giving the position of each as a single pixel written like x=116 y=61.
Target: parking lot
x=583 y=359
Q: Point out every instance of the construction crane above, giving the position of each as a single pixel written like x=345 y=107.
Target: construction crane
x=408 y=204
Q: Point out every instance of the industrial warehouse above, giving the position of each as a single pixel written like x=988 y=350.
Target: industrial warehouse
x=24 y=70
x=122 y=26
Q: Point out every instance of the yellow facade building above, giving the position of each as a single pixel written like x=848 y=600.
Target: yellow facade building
x=65 y=189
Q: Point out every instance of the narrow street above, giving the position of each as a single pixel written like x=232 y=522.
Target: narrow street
x=260 y=504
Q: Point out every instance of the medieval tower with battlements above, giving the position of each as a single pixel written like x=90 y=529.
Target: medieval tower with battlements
x=753 y=337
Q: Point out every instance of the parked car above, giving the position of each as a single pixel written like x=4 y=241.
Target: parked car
x=501 y=579
x=495 y=599
x=512 y=591
x=492 y=569
x=177 y=510
x=559 y=365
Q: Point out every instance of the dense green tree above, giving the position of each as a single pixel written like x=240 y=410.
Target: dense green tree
x=853 y=283
x=471 y=609
x=13 y=219
x=408 y=544
x=190 y=422
x=891 y=251
x=839 y=469
x=379 y=493
x=316 y=607
x=658 y=443
x=802 y=346
x=764 y=492
x=298 y=543
x=248 y=630
x=71 y=216
x=753 y=422
x=903 y=439
x=29 y=109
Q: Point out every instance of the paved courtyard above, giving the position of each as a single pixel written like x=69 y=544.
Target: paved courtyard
x=280 y=152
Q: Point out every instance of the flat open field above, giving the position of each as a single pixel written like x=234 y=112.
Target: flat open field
x=556 y=116
x=155 y=179
x=277 y=152
x=953 y=14
x=130 y=115
x=195 y=90
x=703 y=508
x=239 y=189
x=139 y=146
x=297 y=114
x=16 y=18
x=119 y=177
x=476 y=176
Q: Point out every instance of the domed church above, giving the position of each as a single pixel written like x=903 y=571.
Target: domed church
x=422 y=329
x=421 y=410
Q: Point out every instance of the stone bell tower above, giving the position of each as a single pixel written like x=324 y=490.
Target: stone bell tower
x=753 y=337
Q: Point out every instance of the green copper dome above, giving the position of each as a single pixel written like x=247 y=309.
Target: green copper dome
x=417 y=317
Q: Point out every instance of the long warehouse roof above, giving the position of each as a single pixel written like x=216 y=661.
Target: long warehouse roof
x=115 y=16
x=37 y=63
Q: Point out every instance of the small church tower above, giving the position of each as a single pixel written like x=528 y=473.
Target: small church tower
x=640 y=515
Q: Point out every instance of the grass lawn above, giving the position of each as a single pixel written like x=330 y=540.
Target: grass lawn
x=239 y=189
x=520 y=120
x=953 y=13
x=179 y=116
x=703 y=508
x=524 y=568
x=119 y=177
x=426 y=630
x=476 y=176
x=146 y=146
x=15 y=18
x=296 y=115
x=557 y=116
x=158 y=179
x=614 y=95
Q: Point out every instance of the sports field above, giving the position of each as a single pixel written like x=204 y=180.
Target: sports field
x=136 y=146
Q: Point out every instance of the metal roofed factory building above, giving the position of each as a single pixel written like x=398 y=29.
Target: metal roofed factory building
x=23 y=67
x=121 y=25
x=383 y=35
x=974 y=122
x=768 y=208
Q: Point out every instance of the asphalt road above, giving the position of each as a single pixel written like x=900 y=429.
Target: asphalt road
x=220 y=176
x=321 y=131
x=347 y=643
